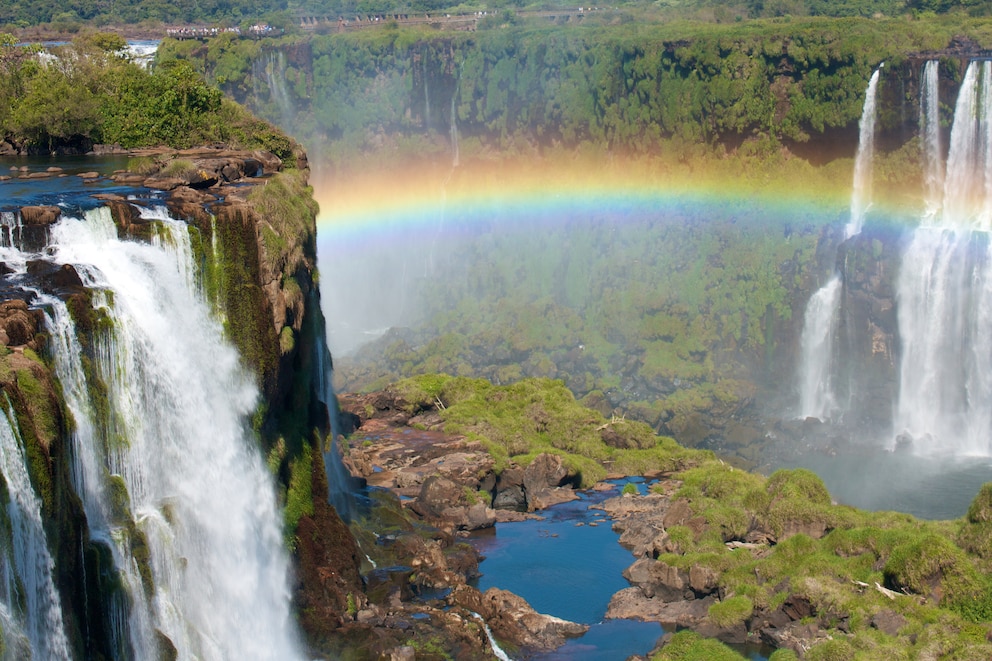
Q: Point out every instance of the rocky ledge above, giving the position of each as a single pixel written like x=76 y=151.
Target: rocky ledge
x=446 y=479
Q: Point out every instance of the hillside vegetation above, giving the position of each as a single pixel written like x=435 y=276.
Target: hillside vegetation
x=632 y=87
x=69 y=16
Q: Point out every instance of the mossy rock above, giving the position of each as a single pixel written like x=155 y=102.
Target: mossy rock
x=932 y=565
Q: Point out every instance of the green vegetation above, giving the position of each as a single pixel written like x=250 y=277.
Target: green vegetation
x=679 y=87
x=532 y=416
x=93 y=93
x=299 y=495
x=833 y=557
x=690 y=646
x=69 y=17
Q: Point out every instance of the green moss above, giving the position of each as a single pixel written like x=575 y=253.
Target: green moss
x=731 y=611
x=838 y=649
x=980 y=510
x=287 y=340
x=690 y=646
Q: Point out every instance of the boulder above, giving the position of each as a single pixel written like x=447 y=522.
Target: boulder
x=18 y=324
x=42 y=215
x=445 y=502
x=540 y=480
x=659 y=580
x=888 y=622
x=633 y=604
x=511 y=498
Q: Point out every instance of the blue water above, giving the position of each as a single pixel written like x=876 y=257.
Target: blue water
x=570 y=571
x=68 y=190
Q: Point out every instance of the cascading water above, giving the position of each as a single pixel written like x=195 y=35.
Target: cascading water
x=30 y=610
x=272 y=70
x=164 y=461
x=944 y=291
x=862 y=185
x=933 y=162
x=817 y=398
x=816 y=388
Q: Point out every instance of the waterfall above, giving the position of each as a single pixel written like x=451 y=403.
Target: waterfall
x=861 y=189
x=816 y=388
x=338 y=478
x=37 y=631
x=454 y=131
x=944 y=291
x=272 y=69
x=165 y=462
x=497 y=650
x=933 y=163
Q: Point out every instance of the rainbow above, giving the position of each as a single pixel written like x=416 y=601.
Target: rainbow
x=405 y=201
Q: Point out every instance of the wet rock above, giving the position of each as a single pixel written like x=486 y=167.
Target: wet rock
x=512 y=619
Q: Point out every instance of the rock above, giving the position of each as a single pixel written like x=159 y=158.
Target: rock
x=446 y=502
x=18 y=324
x=164 y=183
x=633 y=604
x=541 y=478
x=511 y=498
x=659 y=580
x=888 y=622
x=88 y=175
x=795 y=636
x=702 y=580
x=47 y=215
x=512 y=619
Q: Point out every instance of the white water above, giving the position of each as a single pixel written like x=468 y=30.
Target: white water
x=944 y=292
x=27 y=567
x=272 y=70
x=175 y=432
x=863 y=178
x=933 y=159
x=817 y=398
x=816 y=392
